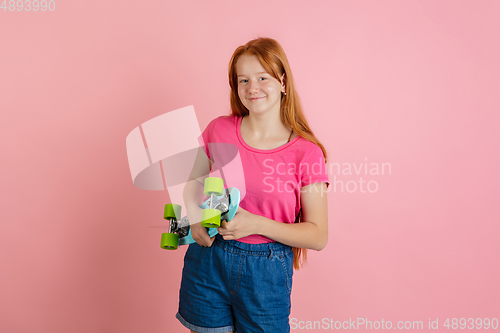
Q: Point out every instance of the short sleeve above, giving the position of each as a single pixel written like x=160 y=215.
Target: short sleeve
x=313 y=168
x=207 y=137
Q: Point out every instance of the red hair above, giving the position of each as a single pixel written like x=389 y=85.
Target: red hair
x=273 y=58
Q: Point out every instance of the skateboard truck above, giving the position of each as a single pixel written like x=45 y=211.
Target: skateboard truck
x=220 y=202
x=170 y=239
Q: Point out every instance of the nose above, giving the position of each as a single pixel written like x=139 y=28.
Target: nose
x=252 y=87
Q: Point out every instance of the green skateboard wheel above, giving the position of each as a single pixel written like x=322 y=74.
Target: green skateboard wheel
x=169 y=241
x=210 y=218
x=214 y=185
x=172 y=211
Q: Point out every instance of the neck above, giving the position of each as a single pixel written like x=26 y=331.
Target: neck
x=265 y=125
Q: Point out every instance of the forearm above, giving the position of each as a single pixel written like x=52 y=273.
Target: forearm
x=193 y=197
x=304 y=234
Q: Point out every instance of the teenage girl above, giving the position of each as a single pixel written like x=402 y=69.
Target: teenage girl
x=241 y=279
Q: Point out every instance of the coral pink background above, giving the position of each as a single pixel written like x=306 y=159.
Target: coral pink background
x=410 y=83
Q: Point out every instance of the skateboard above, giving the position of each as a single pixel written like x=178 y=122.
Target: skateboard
x=222 y=204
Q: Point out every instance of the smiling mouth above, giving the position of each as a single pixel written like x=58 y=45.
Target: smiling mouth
x=255 y=98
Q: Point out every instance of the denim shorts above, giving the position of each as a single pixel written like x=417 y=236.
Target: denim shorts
x=234 y=286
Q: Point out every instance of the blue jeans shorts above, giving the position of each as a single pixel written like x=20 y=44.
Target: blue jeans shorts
x=234 y=286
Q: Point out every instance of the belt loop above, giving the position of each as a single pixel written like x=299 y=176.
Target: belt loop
x=270 y=253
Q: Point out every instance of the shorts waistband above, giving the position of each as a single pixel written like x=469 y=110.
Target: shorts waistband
x=262 y=249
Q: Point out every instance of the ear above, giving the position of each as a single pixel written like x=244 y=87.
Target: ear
x=283 y=83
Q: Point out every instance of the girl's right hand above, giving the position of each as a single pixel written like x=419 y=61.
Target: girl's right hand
x=200 y=235
x=198 y=232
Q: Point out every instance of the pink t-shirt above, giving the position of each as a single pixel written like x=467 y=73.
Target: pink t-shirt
x=272 y=178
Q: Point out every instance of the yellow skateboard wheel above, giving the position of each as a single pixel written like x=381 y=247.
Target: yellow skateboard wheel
x=210 y=218
x=169 y=241
x=172 y=211
x=213 y=185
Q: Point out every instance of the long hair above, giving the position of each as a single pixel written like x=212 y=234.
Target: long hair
x=273 y=58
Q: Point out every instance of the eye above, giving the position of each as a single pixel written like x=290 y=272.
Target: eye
x=243 y=81
x=264 y=78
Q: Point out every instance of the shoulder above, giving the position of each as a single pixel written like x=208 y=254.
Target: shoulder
x=224 y=120
x=307 y=149
x=306 y=144
x=312 y=164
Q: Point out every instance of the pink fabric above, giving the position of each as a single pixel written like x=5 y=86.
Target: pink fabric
x=273 y=178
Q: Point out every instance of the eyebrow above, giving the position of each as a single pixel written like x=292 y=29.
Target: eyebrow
x=257 y=73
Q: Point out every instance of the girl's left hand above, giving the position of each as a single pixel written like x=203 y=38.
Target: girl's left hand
x=242 y=225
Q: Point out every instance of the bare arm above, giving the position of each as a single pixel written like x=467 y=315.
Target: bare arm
x=311 y=233
x=193 y=197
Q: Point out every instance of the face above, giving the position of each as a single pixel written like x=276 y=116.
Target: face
x=258 y=90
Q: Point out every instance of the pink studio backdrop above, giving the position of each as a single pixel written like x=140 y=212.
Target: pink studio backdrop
x=412 y=84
